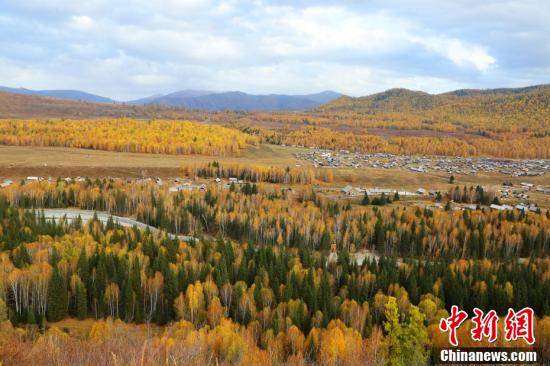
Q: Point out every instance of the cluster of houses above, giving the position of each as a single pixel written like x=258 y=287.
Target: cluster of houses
x=471 y=206
x=357 y=191
x=421 y=192
x=187 y=185
x=520 y=206
x=423 y=164
x=522 y=191
x=8 y=182
x=178 y=184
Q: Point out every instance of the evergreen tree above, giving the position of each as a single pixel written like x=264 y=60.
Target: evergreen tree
x=82 y=267
x=57 y=297
x=379 y=237
x=170 y=294
x=81 y=301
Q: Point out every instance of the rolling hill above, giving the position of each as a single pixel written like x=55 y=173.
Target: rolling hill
x=498 y=110
x=465 y=100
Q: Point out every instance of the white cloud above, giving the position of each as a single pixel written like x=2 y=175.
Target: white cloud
x=459 y=52
x=81 y=22
x=327 y=30
x=176 y=45
x=138 y=47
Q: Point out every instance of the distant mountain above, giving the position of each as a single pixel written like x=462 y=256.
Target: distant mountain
x=17 y=105
x=76 y=95
x=322 y=97
x=246 y=102
x=198 y=99
x=239 y=101
x=143 y=101
x=171 y=99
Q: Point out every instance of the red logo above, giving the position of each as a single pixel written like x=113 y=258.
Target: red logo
x=516 y=325
x=484 y=326
x=452 y=323
x=520 y=325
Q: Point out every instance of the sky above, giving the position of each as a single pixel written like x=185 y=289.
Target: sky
x=135 y=48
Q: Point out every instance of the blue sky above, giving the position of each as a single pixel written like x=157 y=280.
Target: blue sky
x=130 y=49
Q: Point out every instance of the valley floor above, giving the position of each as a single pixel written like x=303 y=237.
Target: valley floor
x=19 y=162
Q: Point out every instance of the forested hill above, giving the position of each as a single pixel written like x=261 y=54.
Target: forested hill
x=528 y=106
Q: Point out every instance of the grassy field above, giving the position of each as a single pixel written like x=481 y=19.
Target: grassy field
x=19 y=162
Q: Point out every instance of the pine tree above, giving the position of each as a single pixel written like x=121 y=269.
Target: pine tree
x=30 y=317
x=170 y=294
x=310 y=296
x=365 y=201
x=380 y=237
x=81 y=301
x=57 y=297
x=82 y=267
x=325 y=298
x=128 y=300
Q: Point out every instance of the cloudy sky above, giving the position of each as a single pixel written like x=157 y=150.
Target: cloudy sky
x=134 y=48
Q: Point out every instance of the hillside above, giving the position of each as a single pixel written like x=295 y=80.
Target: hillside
x=400 y=100
x=518 y=109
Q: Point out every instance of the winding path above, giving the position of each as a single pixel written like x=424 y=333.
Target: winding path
x=87 y=215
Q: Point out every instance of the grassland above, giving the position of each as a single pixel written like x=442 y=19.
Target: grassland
x=22 y=161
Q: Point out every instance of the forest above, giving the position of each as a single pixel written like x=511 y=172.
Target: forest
x=502 y=145
x=258 y=286
x=127 y=135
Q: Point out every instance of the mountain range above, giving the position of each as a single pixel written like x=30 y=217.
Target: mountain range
x=199 y=99
x=530 y=104
x=239 y=101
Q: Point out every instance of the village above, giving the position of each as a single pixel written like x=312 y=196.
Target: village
x=423 y=164
x=512 y=196
x=174 y=184
x=519 y=196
